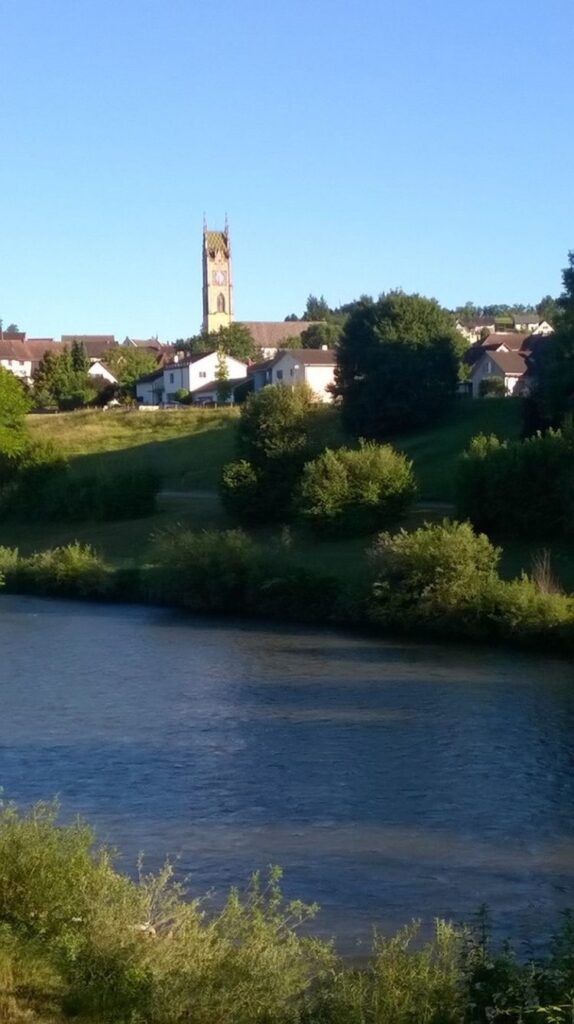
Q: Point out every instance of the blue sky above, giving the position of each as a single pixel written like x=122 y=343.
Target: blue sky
x=356 y=147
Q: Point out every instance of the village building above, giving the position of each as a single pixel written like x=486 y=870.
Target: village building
x=315 y=367
x=509 y=356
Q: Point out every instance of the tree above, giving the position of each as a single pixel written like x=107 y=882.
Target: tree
x=398 y=363
x=235 y=340
x=130 y=364
x=555 y=358
x=318 y=335
x=62 y=380
x=549 y=309
x=14 y=404
x=273 y=446
x=222 y=378
x=356 y=490
x=316 y=309
x=79 y=361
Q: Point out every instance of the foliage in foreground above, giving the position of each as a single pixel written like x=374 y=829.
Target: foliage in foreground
x=79 y=938
x=354 y=491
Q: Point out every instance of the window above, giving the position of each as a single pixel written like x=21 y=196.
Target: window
x=221 y=303
x=279 y=374
x=171 y=378
x=202 y=373
x=291 y=371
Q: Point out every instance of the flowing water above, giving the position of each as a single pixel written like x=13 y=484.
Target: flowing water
x=389 y=779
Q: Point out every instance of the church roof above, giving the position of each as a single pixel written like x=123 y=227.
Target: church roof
x=269 y=333
x=216 y=241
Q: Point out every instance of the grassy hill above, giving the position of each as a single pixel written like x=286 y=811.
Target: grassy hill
x=188 y=447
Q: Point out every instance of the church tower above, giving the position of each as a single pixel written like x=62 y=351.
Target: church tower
x=217 y=286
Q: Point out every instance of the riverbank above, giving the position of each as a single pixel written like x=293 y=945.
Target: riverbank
x=82 y=940
x=438 y=581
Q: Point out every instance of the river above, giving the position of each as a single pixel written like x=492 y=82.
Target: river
x=390 y=780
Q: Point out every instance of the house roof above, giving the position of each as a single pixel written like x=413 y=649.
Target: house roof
x=216 y=241
x=269 y=333
x=512 y=363
x=310 y=356
x=14 y=350
x=95 y=345
x=13 y=335
x=149 y=377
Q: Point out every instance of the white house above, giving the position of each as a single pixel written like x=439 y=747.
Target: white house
x=185 y=374
x=16 y=357
x=97 y=369
x=509 y=367
x=314 y=366
x=149 y=389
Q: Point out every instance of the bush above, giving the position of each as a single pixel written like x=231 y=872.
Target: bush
x=127 y=951
x=400 y=984
x=443 y=575
x=354 y=491
x=492 y=387
x=273 y=444
x=47 y=489
x=444 y=579
x=240 y=489
x=205 y=571
x=519 y=488
x=74 y=570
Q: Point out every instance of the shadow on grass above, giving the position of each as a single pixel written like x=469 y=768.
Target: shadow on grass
x=182 y=462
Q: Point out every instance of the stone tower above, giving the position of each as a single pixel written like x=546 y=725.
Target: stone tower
x=217 y=285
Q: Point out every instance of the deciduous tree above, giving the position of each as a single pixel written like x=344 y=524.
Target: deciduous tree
x=398 y=364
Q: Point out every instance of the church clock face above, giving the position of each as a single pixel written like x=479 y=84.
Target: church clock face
x=220 y=277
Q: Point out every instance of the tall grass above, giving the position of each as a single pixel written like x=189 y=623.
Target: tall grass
x=77 y=938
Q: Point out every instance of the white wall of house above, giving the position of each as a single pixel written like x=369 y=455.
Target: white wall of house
x=487 y=368
x=195 y=375
x=19 y=367
x=290 y=369
x=98 y=369
x=150 y=392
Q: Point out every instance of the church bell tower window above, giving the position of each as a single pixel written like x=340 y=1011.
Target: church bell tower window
x=221 y=303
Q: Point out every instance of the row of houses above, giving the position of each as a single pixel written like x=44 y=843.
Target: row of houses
x=509 y=356
x=198 y=376
x=22 y=355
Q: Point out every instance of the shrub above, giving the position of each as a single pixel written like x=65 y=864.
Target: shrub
x=492 y=387
x=400 y=984
x=526 y=610
x=74 y=570
x=523 y=488
x=240 y=492
x=354 y=491
x=47 y=489
x=291 y=592
x=207 y=571
x=274 y=444
x=441 y=575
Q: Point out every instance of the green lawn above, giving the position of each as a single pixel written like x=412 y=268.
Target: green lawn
x=189 y=447
x=435 y=452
